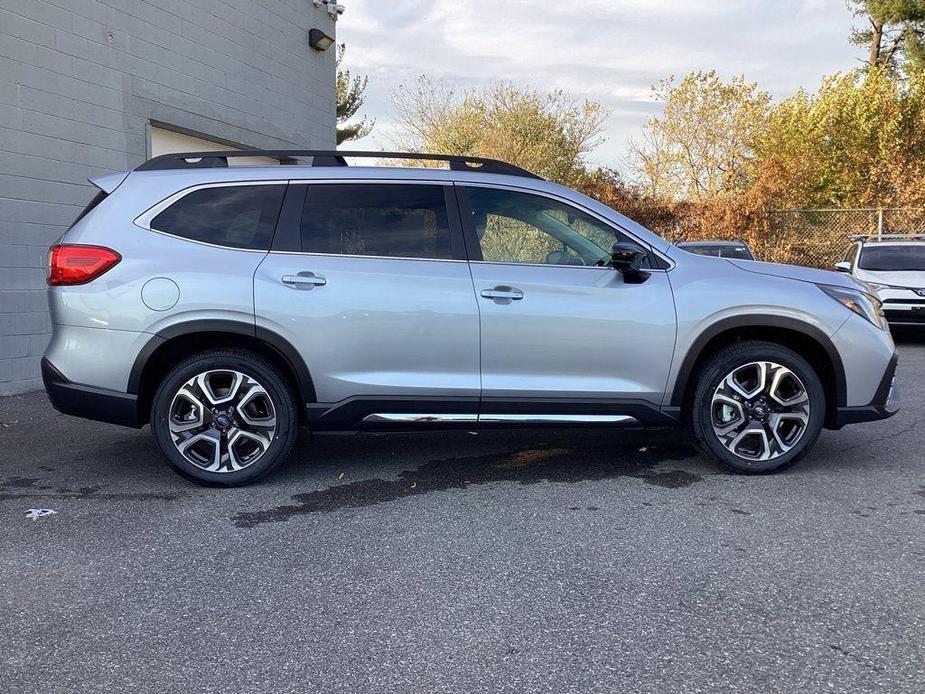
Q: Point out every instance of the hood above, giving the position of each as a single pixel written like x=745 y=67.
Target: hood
x=914 y=279
x=797 y=272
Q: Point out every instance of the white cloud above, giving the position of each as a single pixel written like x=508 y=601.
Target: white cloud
x=607 y=50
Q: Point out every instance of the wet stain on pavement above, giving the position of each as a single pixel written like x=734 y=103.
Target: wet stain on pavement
x=525 y=466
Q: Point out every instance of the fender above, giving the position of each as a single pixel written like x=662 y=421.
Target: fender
x=275 y=342
x=757 y=321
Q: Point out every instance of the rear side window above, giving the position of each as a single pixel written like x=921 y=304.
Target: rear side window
x=235 y=216
x=392 y=220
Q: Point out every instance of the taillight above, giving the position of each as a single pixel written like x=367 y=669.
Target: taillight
x=73 y=264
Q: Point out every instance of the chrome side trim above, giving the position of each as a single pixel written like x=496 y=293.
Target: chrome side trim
x=370 y=257
x=403 y=417
x=554 y=418
x=382 y=417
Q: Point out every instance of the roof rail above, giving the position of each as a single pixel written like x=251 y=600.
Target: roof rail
x=874 y=236
x=205 y=160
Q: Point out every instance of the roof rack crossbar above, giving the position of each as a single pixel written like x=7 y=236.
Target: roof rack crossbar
x=874 y=236
x=201 y=160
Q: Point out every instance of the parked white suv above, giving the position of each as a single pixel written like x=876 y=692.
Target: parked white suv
x=894 y=266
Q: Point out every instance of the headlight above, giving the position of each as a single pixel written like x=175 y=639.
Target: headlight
x=876 y=286
x=865 y=305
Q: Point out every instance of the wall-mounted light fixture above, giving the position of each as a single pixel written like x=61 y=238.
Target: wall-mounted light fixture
x=318 y=40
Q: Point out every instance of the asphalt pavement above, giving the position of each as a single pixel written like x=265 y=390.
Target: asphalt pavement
x=532 y=561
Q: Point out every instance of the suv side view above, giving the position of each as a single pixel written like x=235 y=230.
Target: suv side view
x=228 y=305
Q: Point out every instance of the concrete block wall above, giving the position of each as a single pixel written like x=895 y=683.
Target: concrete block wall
x=81 y=83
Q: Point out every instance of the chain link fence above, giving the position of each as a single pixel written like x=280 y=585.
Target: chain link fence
x=820 y=237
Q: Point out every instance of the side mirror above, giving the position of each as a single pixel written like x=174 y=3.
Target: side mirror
x=843 y=266
x=626 y=258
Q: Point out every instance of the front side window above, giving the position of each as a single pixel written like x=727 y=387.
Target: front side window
x=235 y=216
x=530 y=229
x=851 y=255
x=376 y=219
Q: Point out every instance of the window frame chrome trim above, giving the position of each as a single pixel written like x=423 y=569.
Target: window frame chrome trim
x=143 y=221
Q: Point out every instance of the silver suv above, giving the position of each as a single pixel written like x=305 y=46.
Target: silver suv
x=227 y=305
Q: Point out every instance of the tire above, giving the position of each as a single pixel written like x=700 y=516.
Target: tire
x=726 y=424
x=238 y=407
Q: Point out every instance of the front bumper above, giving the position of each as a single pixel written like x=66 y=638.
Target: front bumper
x=88 y=402
x=885 y=403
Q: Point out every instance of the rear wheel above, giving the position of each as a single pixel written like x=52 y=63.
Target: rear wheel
x=224 y=417
x=758 y=407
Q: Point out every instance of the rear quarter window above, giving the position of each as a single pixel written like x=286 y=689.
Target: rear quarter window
x=235 y=216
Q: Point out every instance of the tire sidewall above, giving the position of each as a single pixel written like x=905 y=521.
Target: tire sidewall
x=725 y=361
x=280 y=395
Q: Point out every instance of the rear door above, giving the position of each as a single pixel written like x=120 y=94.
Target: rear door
x=369 y=282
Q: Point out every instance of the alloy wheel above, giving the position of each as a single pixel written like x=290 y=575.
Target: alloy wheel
x=760 y=410
x=222 y=420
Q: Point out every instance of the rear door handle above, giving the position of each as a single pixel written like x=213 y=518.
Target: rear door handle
x=304 y=280
x=502 y=292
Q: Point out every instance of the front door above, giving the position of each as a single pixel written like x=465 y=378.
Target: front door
x=560 y=331
x=377 y=299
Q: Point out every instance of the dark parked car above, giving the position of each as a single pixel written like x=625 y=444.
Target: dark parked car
x=719 y=249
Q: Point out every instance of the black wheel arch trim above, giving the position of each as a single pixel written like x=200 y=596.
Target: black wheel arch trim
x=273 y=340
x=737 y=322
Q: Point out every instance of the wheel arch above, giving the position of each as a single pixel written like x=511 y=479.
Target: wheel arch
x=178 y=341
x=803 y=338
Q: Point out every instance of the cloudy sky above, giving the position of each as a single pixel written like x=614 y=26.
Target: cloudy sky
x=608 y=50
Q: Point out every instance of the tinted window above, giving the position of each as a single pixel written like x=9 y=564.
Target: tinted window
x=849 y=254
x=236 y=216
x=393 y=220
x=892 y=258
x=532 y=229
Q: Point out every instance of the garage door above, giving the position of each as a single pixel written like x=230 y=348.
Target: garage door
x=167 y=142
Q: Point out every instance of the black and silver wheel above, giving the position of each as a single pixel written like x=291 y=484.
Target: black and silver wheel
x=224 y=417
x=758 y=407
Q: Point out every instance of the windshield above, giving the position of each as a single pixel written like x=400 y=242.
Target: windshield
x=721 y=251
x=892 y=258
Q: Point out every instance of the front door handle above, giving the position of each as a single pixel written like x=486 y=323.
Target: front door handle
x=503 y=293
x=304 y=280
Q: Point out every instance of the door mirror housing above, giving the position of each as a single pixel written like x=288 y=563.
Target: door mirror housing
x=843 y=266
x=626 y=258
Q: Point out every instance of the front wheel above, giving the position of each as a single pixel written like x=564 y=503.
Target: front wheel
x=224 y=417
x=758 y=407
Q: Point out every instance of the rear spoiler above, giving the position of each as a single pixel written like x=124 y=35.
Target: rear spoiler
x=109 y=182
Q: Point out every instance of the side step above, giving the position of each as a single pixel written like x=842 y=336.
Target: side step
x=411 y=418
